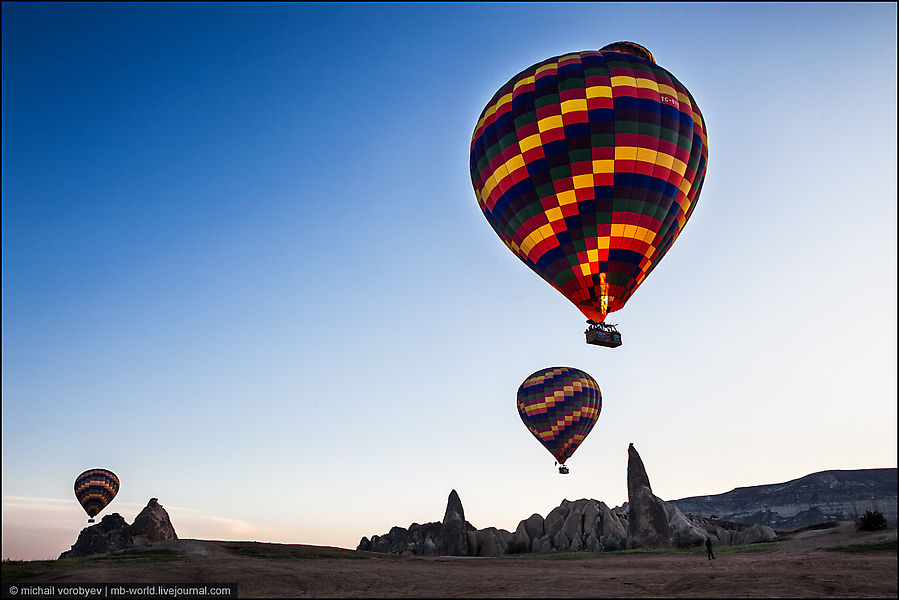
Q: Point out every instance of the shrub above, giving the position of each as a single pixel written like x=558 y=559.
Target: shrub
x=871 y=521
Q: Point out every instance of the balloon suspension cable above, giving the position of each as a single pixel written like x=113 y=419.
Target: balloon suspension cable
x=602 y=326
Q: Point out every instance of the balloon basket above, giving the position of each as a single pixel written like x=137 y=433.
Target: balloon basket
x=91 y=521
x=563 y=470
x=603 y=334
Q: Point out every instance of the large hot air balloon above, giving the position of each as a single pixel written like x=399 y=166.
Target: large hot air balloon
x=588 y=165
x=95 y=488
x=559 y=405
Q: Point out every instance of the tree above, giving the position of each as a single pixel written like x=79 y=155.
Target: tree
x=871 y=521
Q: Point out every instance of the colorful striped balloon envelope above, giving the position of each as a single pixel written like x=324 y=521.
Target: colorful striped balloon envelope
x=94 y=489
x=588 y=165
x=559 y=406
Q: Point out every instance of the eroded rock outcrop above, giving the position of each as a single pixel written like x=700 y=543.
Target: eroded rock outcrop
x=113 y=533
x=614 y=529
x=152 y=524
x=647 y=523
x=454 y=538
x=572 y=526
x=645 y=520
x=417 y=539
x=488 y=542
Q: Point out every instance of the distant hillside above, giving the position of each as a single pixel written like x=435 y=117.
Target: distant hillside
x=815 y=498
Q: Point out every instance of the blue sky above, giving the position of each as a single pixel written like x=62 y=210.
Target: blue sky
x=244 y=267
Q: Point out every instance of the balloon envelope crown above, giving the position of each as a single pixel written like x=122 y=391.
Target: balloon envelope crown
x=629 y=48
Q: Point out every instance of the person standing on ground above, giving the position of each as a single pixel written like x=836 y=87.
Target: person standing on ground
x=708 y=548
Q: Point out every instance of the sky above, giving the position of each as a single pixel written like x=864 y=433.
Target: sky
x=243 y=266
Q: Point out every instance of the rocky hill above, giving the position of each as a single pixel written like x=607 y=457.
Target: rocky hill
x=815 y=498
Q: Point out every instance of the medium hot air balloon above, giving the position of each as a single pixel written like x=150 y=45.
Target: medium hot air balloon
x=95 y=488
x=559 y=405
x=588 y=165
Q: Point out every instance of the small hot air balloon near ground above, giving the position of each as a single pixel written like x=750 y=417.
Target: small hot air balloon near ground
x=559 y=406
x=94 y=489
x=588 y=165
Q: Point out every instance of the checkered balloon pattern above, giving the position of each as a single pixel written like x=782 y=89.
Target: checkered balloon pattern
x=559 y=406
x=94 y=489
x=588 y=165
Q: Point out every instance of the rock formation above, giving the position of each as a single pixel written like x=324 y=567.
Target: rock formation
x=152 y=524
x=571 y=526
x=644 y=521
x=454 y=538
x=580 y=525
x=527 y=530
x=488 y=542
x=418 y=539
x=647 y=523
x=113 y=533
x=654 y=523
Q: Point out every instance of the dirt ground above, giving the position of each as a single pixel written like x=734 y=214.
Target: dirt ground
x=801 y=566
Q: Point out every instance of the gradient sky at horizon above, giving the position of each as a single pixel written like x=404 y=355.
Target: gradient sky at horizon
x=244 y=267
